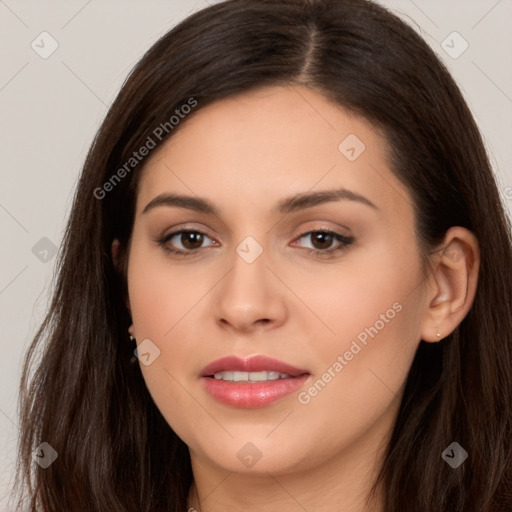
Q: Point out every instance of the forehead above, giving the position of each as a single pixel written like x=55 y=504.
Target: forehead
x=269 y=143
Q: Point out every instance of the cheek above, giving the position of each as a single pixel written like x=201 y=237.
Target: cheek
x=161 y=300
x=362 y=368
x=166 y=299
x=161 y=293
x=370 y=311
x=369 y=290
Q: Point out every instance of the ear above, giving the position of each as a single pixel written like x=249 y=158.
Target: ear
x=115 y=256
x=452 y=284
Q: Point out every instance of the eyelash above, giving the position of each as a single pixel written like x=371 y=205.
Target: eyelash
x=344 y=240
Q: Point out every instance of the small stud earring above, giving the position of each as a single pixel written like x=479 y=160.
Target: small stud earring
x=133 y=359
x=438 y=335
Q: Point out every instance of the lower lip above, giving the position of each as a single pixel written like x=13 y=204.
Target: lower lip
x=252 y=396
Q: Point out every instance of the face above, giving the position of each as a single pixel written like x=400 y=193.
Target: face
x=331 y=285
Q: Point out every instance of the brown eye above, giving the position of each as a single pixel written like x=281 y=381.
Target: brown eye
x=323 y=243
x=321 y=240
x=191 y=239
x=184 y=242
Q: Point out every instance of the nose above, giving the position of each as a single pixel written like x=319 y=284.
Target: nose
x=250 y=297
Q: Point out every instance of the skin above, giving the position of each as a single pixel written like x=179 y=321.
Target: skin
x=245 y=154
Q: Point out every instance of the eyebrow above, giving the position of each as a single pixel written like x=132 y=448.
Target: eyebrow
x=291 y=204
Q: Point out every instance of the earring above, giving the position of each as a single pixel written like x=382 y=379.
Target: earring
x=133 y=359
x=438 y=335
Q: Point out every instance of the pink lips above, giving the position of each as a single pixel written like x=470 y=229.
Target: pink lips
x=246 y=394
x=252 y=364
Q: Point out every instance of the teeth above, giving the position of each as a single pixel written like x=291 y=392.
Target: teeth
x=251 y=376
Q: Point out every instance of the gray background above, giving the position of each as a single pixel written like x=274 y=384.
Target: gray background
x=51 y=107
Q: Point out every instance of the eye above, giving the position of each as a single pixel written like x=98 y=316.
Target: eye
x=322 y=242
x=191 y=241
x=187 y=242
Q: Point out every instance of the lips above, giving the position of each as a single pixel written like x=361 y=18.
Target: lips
x=244 y=393
x=252 y=364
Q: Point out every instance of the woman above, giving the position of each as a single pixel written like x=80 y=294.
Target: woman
x=289 y=217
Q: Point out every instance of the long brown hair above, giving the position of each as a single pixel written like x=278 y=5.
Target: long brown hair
x=80 y=394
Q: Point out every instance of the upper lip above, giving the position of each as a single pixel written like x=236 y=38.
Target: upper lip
x=251 y=364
